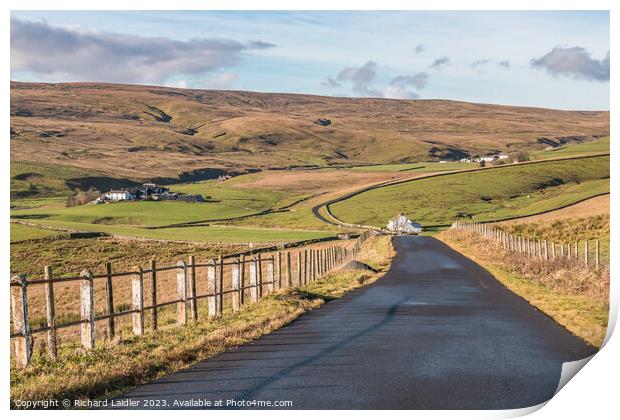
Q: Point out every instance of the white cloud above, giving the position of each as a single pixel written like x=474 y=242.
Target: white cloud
x=398 y=88
x=331 y=83
x=574 y=62
x=440 y=63
x=71 y=54
x=361 y=78
x=221 y=81
x=504 y=63
x=398 y=92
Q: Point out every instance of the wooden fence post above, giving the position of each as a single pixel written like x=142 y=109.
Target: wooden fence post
x=311 y=265
x=109 y=297
x=546 y=251
x=22 y=345
x=317 y=262
x=598 y=254
x=553 y=250
x=50 y=312
x=242 y=281
x=305 y=266
x=569 y=251
x=577 y=249
x=154 y=295
x=288 y=269
x=253 y=280
x=585 y=252
x=235 y=280
x=193 y=305
x=259 y=269
x=279 y=270
x=211 y=289
x=270 y=274
x=220 y=286
x=181 y=293
x=87 y=310
x=298 y=269
x=137 y=302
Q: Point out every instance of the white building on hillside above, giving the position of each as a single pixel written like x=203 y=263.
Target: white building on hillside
x=401 y=224
x=116 y=195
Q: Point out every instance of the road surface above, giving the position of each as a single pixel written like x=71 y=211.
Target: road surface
x=436 y=332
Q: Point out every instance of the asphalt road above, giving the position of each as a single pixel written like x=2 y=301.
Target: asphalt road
x=437 y=332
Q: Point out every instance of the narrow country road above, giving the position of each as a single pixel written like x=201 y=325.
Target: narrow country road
x=436 y=332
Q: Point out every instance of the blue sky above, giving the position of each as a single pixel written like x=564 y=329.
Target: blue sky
x=550 y=59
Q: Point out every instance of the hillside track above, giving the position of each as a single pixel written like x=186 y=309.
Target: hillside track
x=436 y=332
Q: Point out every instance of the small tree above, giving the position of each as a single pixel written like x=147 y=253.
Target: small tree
x=83 y=197
x=519 y=157
x=483 y=163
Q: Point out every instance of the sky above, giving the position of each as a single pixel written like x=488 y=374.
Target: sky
x=552 y=59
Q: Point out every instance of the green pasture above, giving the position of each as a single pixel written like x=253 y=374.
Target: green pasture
x=23 y=232
x=597 y=146
x=487 y=195
x=416 y=167
x=30 y=180
x=223 y=203
x=212 y=233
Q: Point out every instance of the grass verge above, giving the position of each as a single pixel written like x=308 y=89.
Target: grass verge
x=576 y=299
x=112 y=369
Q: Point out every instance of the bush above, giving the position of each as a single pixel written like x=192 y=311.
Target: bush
x=83 y=197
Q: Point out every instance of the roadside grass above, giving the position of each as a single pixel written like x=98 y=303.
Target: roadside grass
x=493 y=194
x=573 y=149
x=23 y=232
x=575 y=298
x=112 y=369
x=566 y=231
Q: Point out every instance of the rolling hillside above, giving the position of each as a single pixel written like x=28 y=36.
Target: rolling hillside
x=486 y=195
x=106 y=135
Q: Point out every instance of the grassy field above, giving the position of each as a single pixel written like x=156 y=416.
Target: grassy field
x=573 y=149
x=71 y=256
x=240 y=196
x=211 y=233
x=416 y=167
x=24 y=232
x=29 y=179
x=487 y=195
x=132 y=218
x=111 y=369
x=223 y=203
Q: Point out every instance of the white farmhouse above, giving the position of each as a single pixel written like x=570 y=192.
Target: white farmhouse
x=401 y=224
x=118 y=195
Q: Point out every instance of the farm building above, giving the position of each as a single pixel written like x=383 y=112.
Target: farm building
x=149 y=191
x=118 y=195
x=401 y=224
